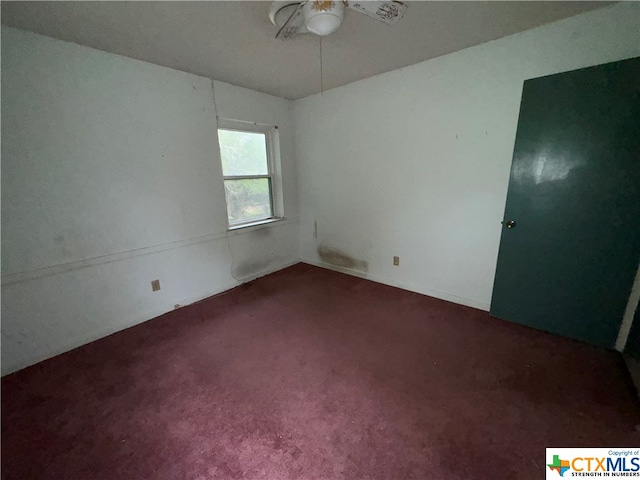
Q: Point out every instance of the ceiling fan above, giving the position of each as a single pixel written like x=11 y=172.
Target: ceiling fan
x=325 y=17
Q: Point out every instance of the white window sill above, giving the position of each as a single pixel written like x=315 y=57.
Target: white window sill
x=256 y=224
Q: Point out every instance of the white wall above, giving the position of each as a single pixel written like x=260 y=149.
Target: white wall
x=111 y=178
x=415 y=162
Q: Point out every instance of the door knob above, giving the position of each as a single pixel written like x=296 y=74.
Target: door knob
x=510 y=224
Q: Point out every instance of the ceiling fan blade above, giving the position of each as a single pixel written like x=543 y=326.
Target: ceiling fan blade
x=293 y=25
x=386 y=12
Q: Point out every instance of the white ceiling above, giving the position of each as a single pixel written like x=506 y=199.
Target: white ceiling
x=234 y=41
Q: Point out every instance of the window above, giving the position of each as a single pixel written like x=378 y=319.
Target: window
x=248 y=153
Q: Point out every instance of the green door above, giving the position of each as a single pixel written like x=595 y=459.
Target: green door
x=570 y=241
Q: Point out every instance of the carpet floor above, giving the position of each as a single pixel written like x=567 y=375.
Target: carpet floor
x=312 y=374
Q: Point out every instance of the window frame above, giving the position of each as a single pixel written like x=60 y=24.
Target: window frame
x=273 y=174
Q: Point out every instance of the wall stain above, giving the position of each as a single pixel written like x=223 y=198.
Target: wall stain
x=248 y=269
x=262 y=232
x=338 y=258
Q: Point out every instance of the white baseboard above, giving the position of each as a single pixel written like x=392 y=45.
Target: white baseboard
x=405 y=286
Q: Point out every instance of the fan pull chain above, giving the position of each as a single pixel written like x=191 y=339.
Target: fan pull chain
x=321 y=72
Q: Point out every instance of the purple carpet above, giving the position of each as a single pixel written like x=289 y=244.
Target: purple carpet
x=311 y=374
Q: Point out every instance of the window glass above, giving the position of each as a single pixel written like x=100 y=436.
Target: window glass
x=248 y=199
x=248 y=177
x=243 y=153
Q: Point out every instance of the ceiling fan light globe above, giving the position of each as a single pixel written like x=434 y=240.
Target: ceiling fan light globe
x=324 y=25
x=323 y=22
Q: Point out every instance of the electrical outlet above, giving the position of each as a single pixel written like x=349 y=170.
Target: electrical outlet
x=155 y=285
x=396 y=261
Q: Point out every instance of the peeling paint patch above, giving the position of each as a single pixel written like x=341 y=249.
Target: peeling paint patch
x=338 y=258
